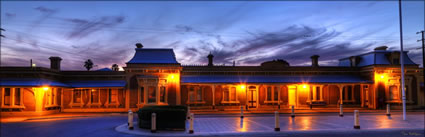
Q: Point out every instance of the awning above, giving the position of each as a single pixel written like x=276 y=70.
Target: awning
x=33 y=82
x=273 y=79
x=96 y=83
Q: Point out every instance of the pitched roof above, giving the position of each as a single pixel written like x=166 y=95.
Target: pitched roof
x=273 y=79
x=153 y=56
x=104 y=69
x=377 y=57
x=34 y=82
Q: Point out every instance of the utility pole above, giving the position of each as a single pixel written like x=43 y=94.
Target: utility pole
x=423 y=52
x=403 y=90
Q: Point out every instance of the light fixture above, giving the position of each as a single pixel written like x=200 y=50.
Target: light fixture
x=242 y=86
x=304 y=86
x=382 y=76
x=45 y=88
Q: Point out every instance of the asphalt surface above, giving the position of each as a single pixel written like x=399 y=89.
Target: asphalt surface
x=104 y=126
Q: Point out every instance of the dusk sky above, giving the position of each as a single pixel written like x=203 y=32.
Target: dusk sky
x=246 y=32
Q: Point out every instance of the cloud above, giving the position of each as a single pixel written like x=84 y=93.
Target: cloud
x=294 y=43
x=10 y=15
x=83 y=28
x=46 y=13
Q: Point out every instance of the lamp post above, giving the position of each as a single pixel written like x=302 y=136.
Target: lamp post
x=423 y=52
x=403 y=92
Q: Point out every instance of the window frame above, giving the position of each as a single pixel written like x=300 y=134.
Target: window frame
x=195 y=93
x=274 y=92
x=12 y=103
x=90 y=102
x=228 y=88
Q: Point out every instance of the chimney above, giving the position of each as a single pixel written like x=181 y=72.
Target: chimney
x=354 y=60
x=315 y=60
x=139 y=45
x=55 y=63
x=210 y=59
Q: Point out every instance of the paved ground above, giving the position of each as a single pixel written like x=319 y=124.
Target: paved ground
x=323 y=124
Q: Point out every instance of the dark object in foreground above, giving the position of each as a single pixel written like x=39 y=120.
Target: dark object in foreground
x=167 y=117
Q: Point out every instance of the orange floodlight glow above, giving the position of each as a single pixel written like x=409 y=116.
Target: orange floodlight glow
x=45 y=88
x=382 y=76
x=304 y=86
x=242 y=86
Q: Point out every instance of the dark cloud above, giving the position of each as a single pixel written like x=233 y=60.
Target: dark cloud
x=83 y=28
x=295 y=44
x=46 y=13
x=10 y=15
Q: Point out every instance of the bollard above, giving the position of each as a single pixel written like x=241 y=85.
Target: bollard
x=276 y=121
x=241 y=111
x=388 y=110
x=292 y=111
x=153 y=123
x=341 y=113
x=356 y=119
x=191 y=123
x=188 y=112
x=130 y=120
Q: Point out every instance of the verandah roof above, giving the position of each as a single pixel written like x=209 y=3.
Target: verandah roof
x=96 y=83
x=36 y=82
x=33 y=82
x=273 y=79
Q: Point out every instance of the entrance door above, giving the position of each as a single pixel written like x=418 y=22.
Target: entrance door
x=292 y=96
x=252 y=97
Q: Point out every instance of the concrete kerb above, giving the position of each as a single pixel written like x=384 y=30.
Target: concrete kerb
x=146 y=132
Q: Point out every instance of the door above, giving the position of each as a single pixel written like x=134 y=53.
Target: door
x=252 y=97
x=292 y=96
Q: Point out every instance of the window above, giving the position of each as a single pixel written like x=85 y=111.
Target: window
x=275 y=94
x=199 y=94
x=195 y=94
x=269 y=93
x=7 y=99
x=394 y=93
x=318 y=95
x=162 y=94
x=232 y=94
x=229 y=94
x=272 y=94
x=11 y=97
x=77 y=96
x=151 y=94
x=17 y=96
x=347 y=93
x=113 y=95
x=94 y=96
x=48 y=97
x=226 y=94
x=142 y=95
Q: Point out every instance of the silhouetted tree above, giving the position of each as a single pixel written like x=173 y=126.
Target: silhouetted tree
x=115 y=67
x=1 y=29
x=88 y=64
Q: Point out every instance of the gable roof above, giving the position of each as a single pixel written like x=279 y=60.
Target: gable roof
x=377 y=57
x=153 y=56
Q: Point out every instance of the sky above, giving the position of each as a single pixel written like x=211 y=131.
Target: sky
x=247 y=32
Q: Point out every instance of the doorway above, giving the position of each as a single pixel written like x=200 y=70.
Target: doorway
x=292 y=96
x=252 y=97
